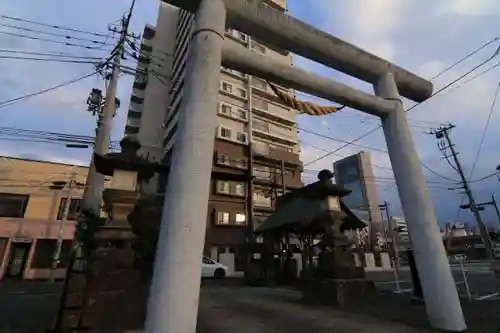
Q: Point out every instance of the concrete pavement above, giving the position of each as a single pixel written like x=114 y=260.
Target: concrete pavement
x=256 y=310
x=222 y=309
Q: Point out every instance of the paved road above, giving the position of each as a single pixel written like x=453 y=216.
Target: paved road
x=255 y=310
x=26 y=313
x=232 y=308
x=226 y=308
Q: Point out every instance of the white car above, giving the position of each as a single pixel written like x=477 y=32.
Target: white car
x=213 y=269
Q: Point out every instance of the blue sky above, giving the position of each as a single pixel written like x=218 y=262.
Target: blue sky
x=424 y=36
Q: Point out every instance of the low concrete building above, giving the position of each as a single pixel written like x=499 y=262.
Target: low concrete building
x=31 y=213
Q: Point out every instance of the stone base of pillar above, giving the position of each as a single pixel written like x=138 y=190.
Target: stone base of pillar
x=116 y=296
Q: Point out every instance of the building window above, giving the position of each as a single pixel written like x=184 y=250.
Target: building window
x=258 y=47
x=231 y=188
x=241 y=36
x=74 y=209
x=240 y=218
x=241 y=137
x=260 y=125
x=287 y=149
x=241 y=163
x=225 y=132
x=222 y=218
x=261 y=84
x=242 y=92
x=262 y=172
x=260 y=104
x=260 y=199
x=223 y=159
x=241 y=113
x=227 y=87
x=223 y=187
x=13 y=205
x=225 y=109
x=239 y=189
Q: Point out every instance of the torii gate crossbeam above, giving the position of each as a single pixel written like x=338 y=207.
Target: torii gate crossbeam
x=174 y=293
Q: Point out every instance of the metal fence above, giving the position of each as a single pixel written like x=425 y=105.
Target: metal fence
x=475 y=279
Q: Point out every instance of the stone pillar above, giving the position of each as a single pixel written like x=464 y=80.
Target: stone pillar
x=441 y=298
x=174 y=293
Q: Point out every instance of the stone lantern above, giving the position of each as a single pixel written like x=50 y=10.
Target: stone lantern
x=114 y=285
x=127 y=170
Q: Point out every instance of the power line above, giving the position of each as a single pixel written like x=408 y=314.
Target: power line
x=56 y=26
x=51 y=54
x=361 y=146
x=98 y=68
x=483 y=135
x=24 y=97
x=465 y=58
x=53 y=41
x=477 y=76
x=54 y=34
x=338 y=140
x=73 y=61
x=411 y=108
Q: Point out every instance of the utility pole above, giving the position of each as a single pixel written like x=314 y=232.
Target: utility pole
x=444 y=133
x=105 y=109
x=494 y=202
x=67 y=204
x=393 y=231
x=481 y=206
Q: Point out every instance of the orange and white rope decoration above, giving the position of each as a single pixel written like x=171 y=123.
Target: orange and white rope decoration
x=304 y=107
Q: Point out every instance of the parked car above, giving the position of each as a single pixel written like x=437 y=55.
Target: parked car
x=213 y=269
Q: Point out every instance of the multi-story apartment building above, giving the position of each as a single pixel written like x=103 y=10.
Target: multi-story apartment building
x=151 y=88
x=30 y=215
x=251 y=122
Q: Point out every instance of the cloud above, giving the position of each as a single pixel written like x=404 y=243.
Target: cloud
x=412 y=35
x=470 y=7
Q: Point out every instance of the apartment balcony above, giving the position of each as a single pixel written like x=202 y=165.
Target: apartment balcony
x=266 y=132
x=274 y=154
x=234 y=73
x=237 y=36
x=233 y=90
x=272 y=180
x=275 y=111
x=277 y=114
x=264 y=89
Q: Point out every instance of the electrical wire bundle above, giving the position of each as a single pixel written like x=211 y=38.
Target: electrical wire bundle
x=37 y=136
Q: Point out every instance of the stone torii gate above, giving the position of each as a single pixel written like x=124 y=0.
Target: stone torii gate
x=173 y=302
